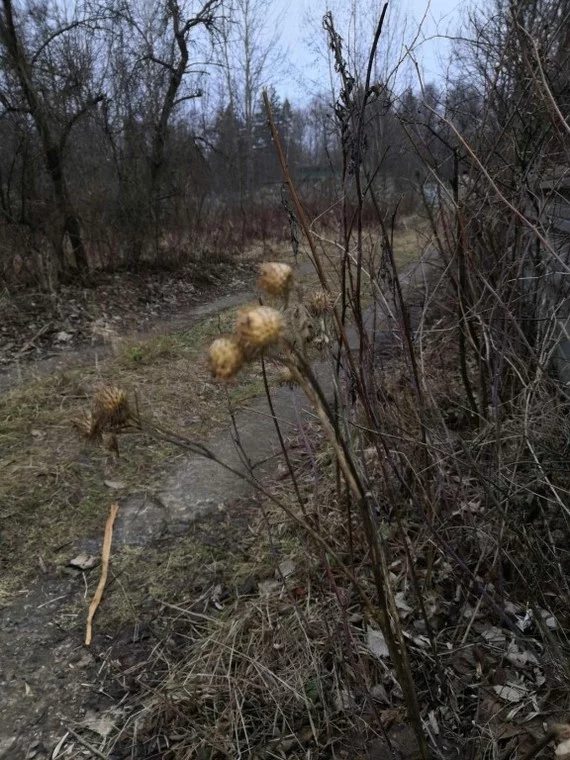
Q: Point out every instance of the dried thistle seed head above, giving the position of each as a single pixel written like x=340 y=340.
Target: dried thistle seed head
x=225 y=358
x=286 y=377
x=319 y=303
x=86 y=426
x=110 y=407
x=258 y=327
x=275 y=278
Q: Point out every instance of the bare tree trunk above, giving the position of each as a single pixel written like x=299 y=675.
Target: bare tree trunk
x=52 y=148
x=171 y=100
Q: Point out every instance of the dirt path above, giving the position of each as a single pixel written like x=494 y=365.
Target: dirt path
x=49 y=681
x=41 y=648
x=64 y=359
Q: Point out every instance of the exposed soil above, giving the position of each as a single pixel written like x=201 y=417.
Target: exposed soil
x=53 y=688
x=49 y=680
x=51 y=684
x=41 y=332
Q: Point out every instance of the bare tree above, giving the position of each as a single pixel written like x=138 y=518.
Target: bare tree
x=27 y=69
x=158 y=61
x=251 y=59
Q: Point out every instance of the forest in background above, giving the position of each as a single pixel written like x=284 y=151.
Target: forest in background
x=133 y=135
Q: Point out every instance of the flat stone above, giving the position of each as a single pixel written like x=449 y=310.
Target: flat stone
x=142 y=518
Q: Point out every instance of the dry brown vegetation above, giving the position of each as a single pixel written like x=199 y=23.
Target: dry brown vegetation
x=51 y=493
x=430 y=598
x=400 y=589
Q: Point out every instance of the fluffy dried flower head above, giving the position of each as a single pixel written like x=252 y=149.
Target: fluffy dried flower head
x=287 y=377
x=275 y=278
x=225 y=358
x=258 y=327
x=110 y=407
x=86 y=426
x=319 y=303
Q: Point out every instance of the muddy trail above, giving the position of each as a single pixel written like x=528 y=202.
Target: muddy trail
x=24 y=365
x=55 y=691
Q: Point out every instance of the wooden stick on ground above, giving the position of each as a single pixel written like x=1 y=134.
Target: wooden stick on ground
x=104 y=570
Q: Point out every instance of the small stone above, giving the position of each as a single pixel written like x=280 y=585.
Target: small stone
x=6 y=747
x=286 y=569
x=84 y=561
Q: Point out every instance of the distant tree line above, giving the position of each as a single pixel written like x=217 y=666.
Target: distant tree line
x=132 y=132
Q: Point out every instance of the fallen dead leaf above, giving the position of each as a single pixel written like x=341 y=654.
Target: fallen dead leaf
x=376 y=643
x=494 y=636
x=402 y=605
x=433 y=722
x=511 y=692
x=116 y=485
x=285 y=569
x=99 y=724
x=518 y=658
x=59 y=746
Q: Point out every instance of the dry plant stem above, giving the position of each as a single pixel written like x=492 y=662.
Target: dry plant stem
x=461 y=293
x=339 y=321
x=280 y=437
x=335 y=43
x=106 y=553
x=512 y=208
x=315 y=259
x=94 y=751
x=353 y=655
x=537 y=63
x=388 y=616
x=236 y=436
x=441 y=541
x=357 y=160
x=404 y=316
x=298 y=207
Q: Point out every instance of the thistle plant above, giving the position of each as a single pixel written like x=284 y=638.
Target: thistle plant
x=262 y=330
x=275 y=278
x=110 y=413
x=258 y=327
x=226 y=358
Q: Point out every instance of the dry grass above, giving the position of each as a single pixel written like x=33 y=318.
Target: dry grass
x=411 y=238
x=476 y=542
x=254 y=664
x=52 y=490
x=253 y=661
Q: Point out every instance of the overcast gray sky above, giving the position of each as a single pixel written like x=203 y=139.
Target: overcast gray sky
x=443 y=16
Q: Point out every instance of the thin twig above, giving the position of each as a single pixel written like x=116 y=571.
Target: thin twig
x=87 y=745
